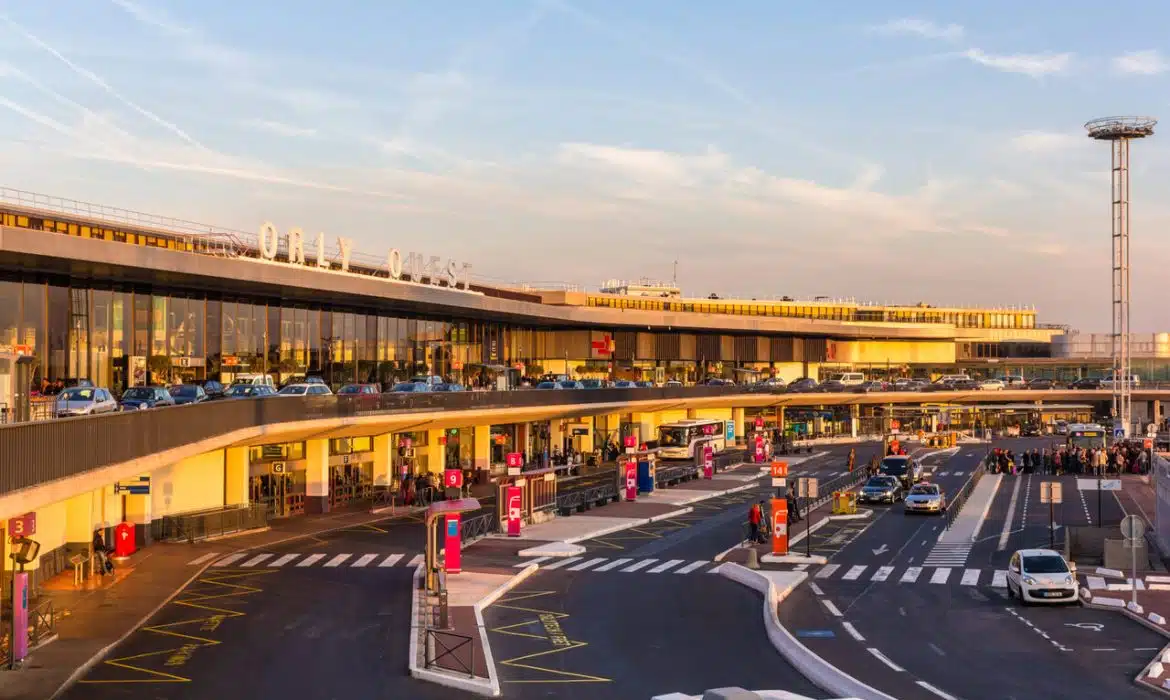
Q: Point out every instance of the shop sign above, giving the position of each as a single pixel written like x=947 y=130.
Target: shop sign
x=452 y=274
x=184 y=362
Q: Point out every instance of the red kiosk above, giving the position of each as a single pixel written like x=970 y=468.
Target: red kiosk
x=449 y=512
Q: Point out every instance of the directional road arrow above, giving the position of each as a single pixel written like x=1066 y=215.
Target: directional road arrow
x=881 y=550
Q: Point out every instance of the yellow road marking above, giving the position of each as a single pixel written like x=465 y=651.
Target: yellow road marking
x=217 y=580
x=558 y=676
x=364 y=527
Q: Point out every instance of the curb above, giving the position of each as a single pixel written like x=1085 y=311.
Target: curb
x=104 y=651
x=818 y=671
x=489 y=687
x=618 y=527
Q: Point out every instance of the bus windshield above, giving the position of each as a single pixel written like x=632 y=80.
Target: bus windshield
x=673 y=437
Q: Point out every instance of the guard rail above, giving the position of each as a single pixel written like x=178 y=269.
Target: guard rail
x=204 y=524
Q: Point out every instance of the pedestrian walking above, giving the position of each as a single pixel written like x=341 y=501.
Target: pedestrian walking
x=755 y=515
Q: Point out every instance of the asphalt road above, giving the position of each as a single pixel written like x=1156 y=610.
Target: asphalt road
x=570 y=635
x=294 y=632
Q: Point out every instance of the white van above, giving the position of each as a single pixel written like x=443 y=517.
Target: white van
x=951 y=378
x=1134 y=382
x=254 y=380
x=849 y=378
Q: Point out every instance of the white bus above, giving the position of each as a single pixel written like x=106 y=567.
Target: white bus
x=678 y=440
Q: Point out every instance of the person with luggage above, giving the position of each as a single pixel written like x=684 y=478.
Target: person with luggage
x=102 y=554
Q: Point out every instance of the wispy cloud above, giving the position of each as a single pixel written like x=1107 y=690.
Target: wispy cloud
x=1150 y=62
x=97 y=80
x=192 y=42
x=1035 y=65
x=1046 y=141
x=912 y=26
x=279 y=128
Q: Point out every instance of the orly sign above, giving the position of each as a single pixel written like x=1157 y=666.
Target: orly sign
x=415 y=265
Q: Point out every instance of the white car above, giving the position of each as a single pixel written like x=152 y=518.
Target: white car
x=1042 y=576
x=991 y=385
x=304 y=390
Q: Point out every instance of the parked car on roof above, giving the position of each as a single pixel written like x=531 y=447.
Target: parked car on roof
x=305 y=390
x=187 y=393
x=141 y=397
x=350 y=389
x=248 y=391
x=411 y=387
x=84 y=401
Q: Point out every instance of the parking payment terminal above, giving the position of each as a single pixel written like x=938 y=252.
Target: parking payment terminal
x=452 y=543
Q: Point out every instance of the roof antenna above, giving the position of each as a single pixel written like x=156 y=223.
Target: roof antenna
x=674 y=279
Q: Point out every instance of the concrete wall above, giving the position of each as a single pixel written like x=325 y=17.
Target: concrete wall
x=192 y=484
x=894 y=352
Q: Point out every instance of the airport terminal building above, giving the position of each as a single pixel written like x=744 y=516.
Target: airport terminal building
x=126 y=299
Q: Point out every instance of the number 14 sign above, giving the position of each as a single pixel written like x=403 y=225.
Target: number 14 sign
x=22 y=525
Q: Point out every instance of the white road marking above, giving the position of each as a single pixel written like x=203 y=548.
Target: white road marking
x=394 y=559
x=999 y=580
x=970 y=577
x=563 y=562
x=311 y=559
x=205 y=557
x=364 y=560
x=828 y=570
x=690 y=567
x=854 y=573
x=665 y=565
x=911 y=575
x=613 y=564
x=638 y=565
x=936 y=691
x=882 y=573
x=852 y=631
x=417 y=560
x=229 y=559
x=1096 y=583
x=816 y=589
x=586 y=564
x=800 y=567
x=830 y=607
x=277 y=563
x=256 y=560
x=940 y=575
x=885 y=660
x=1011 y=514
x=337 y=560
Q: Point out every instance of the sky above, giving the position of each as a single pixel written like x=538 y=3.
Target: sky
x=895 y=152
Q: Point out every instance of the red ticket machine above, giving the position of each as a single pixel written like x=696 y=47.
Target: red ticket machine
x=708 y=462
x=761 y=457
x=779 y=526
x=452 y=545
x=124 y=540
x=515 y=510
x=631 y=472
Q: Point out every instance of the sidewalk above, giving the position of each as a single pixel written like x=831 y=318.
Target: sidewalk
x=966 y=525
x=1153 y=611
x=91 y=622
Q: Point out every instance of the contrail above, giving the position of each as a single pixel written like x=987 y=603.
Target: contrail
x=97 y=80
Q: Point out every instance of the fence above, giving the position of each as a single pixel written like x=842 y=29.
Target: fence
x=201 y=525
x=479 y=526
x=1160 y=473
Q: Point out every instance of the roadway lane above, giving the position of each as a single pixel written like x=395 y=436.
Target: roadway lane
x=973 y=643
x=298 y=623
x=569 y=635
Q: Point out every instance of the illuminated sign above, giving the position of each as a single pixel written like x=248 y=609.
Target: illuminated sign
x=452 y=275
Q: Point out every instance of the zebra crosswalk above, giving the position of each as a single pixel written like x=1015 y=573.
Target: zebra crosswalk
x=936 y=575
x=948 y=554
x=627 y=565
x=269 y=560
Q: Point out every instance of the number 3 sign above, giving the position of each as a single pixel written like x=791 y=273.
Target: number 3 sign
x=23 y=526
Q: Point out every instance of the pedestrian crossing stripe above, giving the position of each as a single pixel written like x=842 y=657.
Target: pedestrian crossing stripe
x=625 y=565
x=270 y=560
x=912 y=574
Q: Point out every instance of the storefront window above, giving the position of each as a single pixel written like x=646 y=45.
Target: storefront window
x=503 y=442
x=100 y=337
x=58 y=332
x=347 y=446
x=460 y=448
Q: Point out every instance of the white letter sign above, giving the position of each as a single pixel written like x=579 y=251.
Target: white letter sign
x=269 y=241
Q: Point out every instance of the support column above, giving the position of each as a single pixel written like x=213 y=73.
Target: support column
x=737 y=415
x=384 y=451
x=556 y=435
x=854 y=419
x=483 y=448
x=316 y=476
x=436 y=451
x=781 y=416
x=585 y=442
x=235 y=476
x=1156 y=411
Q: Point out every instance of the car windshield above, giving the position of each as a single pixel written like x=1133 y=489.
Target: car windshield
x=880 y=482
x=138 y=393
x=894 y=467
x=241 y=390
x=294 y=390
x=568 y=385
x=546 y=385
x=1045 y=564
x=184 y=390
x=405 y=386
x=924 y=490
x=76 y=395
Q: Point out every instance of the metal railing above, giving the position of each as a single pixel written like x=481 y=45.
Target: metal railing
x=42 y=624
x=201 y=525
x=956 y=504
x=479 y=526
x=583 y=499
x=437 y=649
x=37 y=452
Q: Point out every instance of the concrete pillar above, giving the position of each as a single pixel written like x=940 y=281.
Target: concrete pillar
x=556 y=435
x=385 y=449
x=235 y=476
x=585 y=442
x=316 y=476
x=780 y=418
x=740 y=428
x=647 y=426
x=483 y=447
x=854 y=419
x=79 y=519
x=522 y=442
x=436 y=451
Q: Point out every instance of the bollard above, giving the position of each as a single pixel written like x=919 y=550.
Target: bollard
x=753 y=558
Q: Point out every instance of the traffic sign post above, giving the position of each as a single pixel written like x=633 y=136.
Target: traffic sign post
x=1133 y=529
x=806 y=488
x=1051 y=492
x=779 y=477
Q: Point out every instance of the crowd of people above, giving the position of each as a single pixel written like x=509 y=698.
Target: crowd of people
x=1120 y=458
